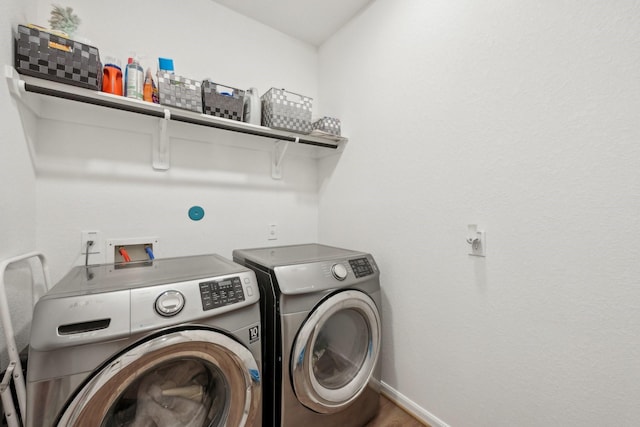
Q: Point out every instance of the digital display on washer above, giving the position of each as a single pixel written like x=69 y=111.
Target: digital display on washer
x=361 y=267
x=218 y=293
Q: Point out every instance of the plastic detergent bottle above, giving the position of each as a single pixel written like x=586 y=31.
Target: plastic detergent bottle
x=252 y=108
x=112 y=76
x=134 y=79
x=147 y=92
x=126 y=75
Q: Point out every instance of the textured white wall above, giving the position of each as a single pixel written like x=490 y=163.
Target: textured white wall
x=17 y=191
x=521 y=117
x=93 y=178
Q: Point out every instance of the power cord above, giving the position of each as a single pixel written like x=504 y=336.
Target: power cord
x=86 y=256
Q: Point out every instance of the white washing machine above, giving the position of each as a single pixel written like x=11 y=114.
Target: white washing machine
x=321 y=317
x=171 y=342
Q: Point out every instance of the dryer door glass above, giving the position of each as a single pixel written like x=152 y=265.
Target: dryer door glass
x=189 y=378
x=340 y=348
x=336 y=351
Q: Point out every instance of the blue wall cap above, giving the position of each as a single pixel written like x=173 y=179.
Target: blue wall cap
x=196 y=213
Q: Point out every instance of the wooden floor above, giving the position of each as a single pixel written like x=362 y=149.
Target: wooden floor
x=391 y=415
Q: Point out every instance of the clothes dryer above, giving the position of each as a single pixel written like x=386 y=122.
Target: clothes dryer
x=321 y=315
x=173 y=341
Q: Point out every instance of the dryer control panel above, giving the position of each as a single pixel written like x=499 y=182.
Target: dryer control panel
x=218 y=293
x=299 y=279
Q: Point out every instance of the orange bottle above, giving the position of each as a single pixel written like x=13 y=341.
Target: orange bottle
x=147 y=88
x=112 y=78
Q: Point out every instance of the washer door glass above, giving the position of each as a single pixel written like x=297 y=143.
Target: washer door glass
x=188 y=392
x=190 y=378
x=336 y=351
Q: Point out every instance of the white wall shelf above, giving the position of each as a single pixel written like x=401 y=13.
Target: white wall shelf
x=52 y=100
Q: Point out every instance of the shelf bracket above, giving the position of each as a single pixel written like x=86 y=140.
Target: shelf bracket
x=278 y=155
x=17 y=89
x=161 y=144
x=16 y=85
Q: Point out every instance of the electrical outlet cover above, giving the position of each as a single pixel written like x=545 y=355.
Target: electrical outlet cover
x=273 y=232
x=94 y=236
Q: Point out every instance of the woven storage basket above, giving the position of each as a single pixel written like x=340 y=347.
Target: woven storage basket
x=286 y=110
x=180 y=92
x=52 y=57
x=328 y=124
x=222 y=101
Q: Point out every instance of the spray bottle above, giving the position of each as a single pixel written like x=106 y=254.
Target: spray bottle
x=134 y=79
x=150 y=90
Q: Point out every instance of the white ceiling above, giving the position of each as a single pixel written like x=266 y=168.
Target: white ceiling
x=312 y=21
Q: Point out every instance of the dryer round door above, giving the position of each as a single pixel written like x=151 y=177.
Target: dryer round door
x=336 y=351
x=193 y=378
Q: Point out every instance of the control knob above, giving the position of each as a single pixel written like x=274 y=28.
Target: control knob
x=339 y=271
x=169 y=303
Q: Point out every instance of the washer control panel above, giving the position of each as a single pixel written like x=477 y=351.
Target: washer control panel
x=361 y=267
x=219 y=293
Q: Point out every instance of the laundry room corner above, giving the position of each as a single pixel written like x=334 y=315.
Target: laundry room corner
x=480 y=160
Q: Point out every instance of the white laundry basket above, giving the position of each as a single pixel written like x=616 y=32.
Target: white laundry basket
x=13 y=372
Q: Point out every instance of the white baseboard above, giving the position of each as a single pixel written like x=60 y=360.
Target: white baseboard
x=410 y=406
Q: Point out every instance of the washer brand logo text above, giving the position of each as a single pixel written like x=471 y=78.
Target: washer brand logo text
x=254 y=334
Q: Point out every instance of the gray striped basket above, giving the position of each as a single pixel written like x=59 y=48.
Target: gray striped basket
x=286 y=111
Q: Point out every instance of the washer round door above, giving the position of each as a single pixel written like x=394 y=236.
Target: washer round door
x=336 y=351
x=193 y=378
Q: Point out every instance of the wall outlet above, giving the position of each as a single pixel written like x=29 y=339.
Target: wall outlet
x=272 y=232
x=95 y=237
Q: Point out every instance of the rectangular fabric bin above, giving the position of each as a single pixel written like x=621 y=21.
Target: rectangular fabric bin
x=328 y=124
x=180 y=92
x=286 y=110
x=49 y=56
x=222 y=101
